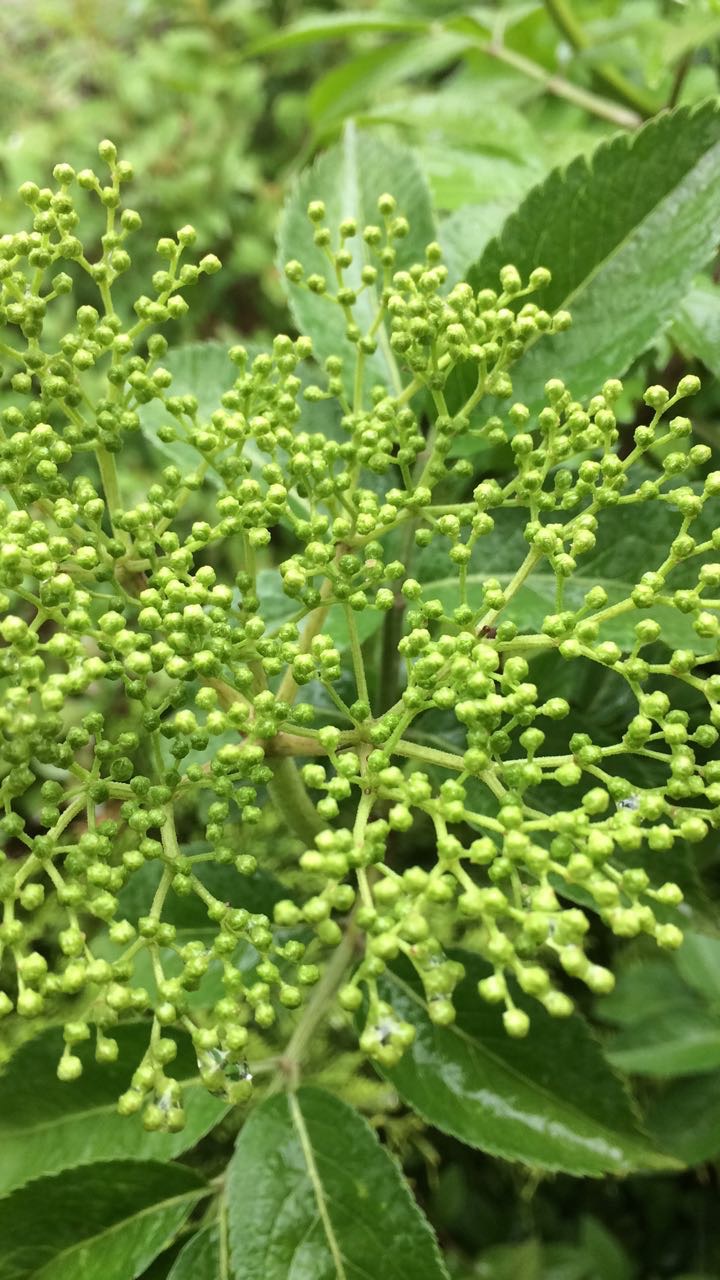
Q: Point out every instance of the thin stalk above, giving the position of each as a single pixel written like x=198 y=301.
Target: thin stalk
x=315 y=1011
x=568 y=25
x=561 y=88
x=288 y=686
x=111 y=487
x=531 y=560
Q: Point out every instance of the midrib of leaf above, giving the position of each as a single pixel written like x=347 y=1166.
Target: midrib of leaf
x=186 y=1196
x=371 y=1231
x=316 y=1182
x=350 y=185
x=567 y=1108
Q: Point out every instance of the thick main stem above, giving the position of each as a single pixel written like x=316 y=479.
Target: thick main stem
x=291 y=800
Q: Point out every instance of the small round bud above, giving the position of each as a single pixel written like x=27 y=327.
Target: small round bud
x=689 y=385
x=69 y=1068
x=316 y=211
x=516 y=1022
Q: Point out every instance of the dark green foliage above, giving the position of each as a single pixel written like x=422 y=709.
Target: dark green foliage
x=360 y=687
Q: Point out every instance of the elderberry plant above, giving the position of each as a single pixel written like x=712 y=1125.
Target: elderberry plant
x=155 y=719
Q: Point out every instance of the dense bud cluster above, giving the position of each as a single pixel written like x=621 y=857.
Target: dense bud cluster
x=153 y=712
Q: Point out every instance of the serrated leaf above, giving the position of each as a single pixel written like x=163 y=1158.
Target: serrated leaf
x=349 y=178
x=47 y=1126
x=199 y=1259
x=103 y=1220
x=624 y=233
x=312 y=1194
x=550 y=1100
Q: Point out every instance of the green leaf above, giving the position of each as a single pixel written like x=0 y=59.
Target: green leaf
x=200 y=1257
x=696 y=327
x=453 y=115
x=314 y=28
x=47 y=1126
x=603 y=1251
x=698 y=962
x=666 y=1028
x=680 y=1040
x=465 y=233
x=513 y=1262
x=373 y=72
x=201 y=369
x=349 y=178
x=645 y=990
x=623 y=233
x=99 y=1221
x=685 y=1119
x=311 y=1193
x=257 y=893
x=550 y=1100
x=458 y=176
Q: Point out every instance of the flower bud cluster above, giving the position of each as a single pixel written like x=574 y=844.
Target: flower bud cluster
x=155 y=701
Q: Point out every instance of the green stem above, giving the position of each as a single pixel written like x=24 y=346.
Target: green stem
x=590 y=102
x=569 y=26
x=390 y=656
x=111 y=487
x=288 y=686
x=224 y=1252
x=430 y=755
x=291 y=800
x=531 y=560
x=357 y=657
x=317 y=1008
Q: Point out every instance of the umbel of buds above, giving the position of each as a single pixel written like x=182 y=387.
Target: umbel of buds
x=169 y=735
